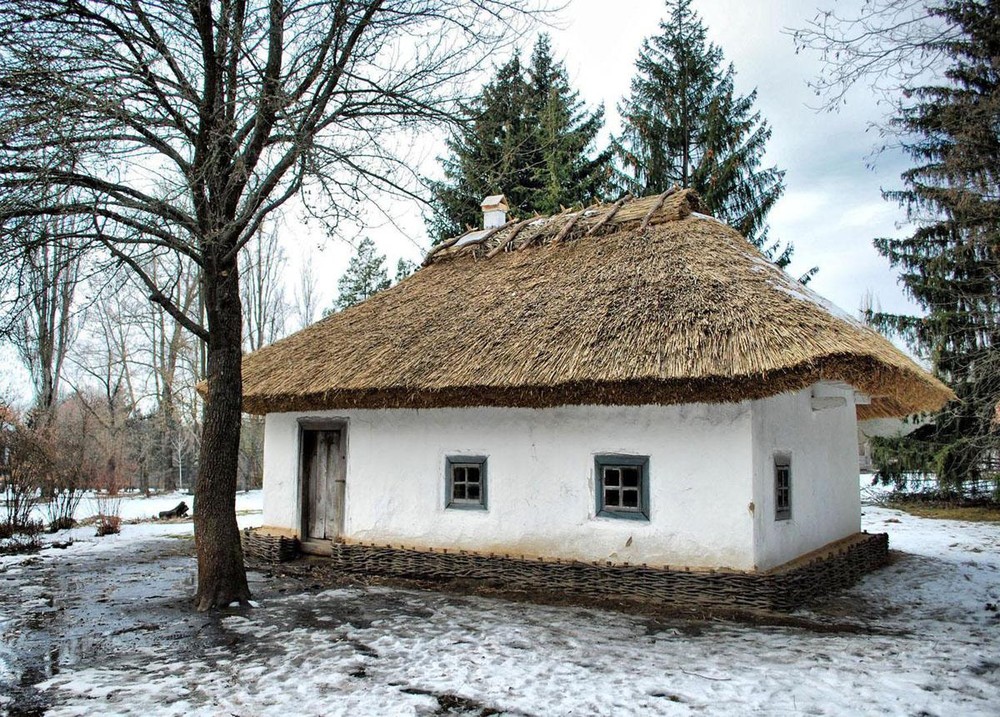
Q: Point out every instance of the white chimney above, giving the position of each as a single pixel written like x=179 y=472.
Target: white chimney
x=494 y=211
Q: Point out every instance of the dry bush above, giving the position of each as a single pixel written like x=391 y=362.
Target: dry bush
x=109 y=502
x=25 y=462
x=62 y=484
x=109 y=523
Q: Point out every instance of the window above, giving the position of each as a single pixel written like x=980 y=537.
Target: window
x=782 y=488
x=622 y=484
x=465 y=477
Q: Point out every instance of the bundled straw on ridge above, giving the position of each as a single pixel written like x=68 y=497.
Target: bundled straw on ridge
x=641 y=302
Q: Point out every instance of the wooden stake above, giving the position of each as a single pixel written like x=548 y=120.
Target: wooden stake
x=610 y=215
x=656 y=207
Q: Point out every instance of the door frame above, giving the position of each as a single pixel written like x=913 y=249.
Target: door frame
x=314 y=423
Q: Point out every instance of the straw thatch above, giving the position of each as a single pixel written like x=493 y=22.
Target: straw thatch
x=641 y=302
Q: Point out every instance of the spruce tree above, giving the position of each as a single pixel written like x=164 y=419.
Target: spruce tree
x=563 y=173
x=950 y=264
x=530 y=137
x=365 y=276
x=684 y=124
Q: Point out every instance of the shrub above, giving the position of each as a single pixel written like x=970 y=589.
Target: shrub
x=109 y=505
x=108 y=524
x=25 y=466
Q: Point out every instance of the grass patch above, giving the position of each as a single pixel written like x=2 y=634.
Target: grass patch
x=975 y=513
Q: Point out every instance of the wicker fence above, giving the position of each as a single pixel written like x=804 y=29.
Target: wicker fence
x=269 y=547
x=834 y=568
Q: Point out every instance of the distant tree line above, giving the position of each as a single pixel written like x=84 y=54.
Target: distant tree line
x=114 y=405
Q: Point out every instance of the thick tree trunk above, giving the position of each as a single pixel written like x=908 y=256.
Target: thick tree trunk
x=221 y=574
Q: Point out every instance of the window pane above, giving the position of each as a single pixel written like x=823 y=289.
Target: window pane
x=782 y=498
x=466 y=480
x=630 y=498
x=622 y=490
x=782 y=491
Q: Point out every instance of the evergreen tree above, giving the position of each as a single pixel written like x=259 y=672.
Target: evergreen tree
x=562 y=173
x=950 y=264
x=404 y=267
x=365 y=276
x=684 y=124
x=530 y=137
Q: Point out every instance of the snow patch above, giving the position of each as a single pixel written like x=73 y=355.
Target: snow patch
x=709 y=217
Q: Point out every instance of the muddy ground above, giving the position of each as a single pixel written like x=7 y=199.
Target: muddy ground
x=103 y=610
x=59 y=614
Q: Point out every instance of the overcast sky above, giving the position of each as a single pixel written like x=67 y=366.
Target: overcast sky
x=832 y=206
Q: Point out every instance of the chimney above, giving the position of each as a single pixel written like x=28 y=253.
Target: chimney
x=494 y=211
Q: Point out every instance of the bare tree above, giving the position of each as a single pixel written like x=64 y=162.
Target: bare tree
x=122 y=332
x=184 y=126
x=264 y=305
x=174 y=358
x=107 y=382
x=308 y=298
x=42 y=322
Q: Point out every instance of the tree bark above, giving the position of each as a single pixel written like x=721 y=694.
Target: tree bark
x=221 y=574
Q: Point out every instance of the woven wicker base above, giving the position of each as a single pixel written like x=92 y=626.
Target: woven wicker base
x=838 y=566
x=267 y=547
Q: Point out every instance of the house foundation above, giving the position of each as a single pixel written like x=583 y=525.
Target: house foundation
x=785 y=588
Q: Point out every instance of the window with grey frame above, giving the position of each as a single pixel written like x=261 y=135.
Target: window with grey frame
x=465 y=482
x=622 y=483
x=782 y=488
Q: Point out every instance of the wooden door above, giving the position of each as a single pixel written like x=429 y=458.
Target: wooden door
x=324 y=474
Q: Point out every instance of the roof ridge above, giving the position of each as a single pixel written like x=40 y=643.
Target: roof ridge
x=628 y=213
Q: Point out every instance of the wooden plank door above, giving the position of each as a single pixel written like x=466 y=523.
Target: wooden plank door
x=324 y=473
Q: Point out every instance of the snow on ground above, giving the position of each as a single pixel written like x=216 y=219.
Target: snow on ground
x=928 y=644
x=136 y=507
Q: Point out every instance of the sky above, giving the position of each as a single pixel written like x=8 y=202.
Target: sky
x=832 y=207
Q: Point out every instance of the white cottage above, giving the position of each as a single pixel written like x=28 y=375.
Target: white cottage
x=628 y=385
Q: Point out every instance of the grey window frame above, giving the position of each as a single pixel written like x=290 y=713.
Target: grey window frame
x=452 y=462
x=782 y=463
x=612 y=460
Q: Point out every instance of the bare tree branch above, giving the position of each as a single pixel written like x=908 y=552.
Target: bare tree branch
x=885 y=45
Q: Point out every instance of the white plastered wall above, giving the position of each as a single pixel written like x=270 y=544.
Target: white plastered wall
x=541 y=495
x=817 y=429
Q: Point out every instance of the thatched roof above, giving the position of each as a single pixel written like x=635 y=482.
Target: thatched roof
x=641 y=302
